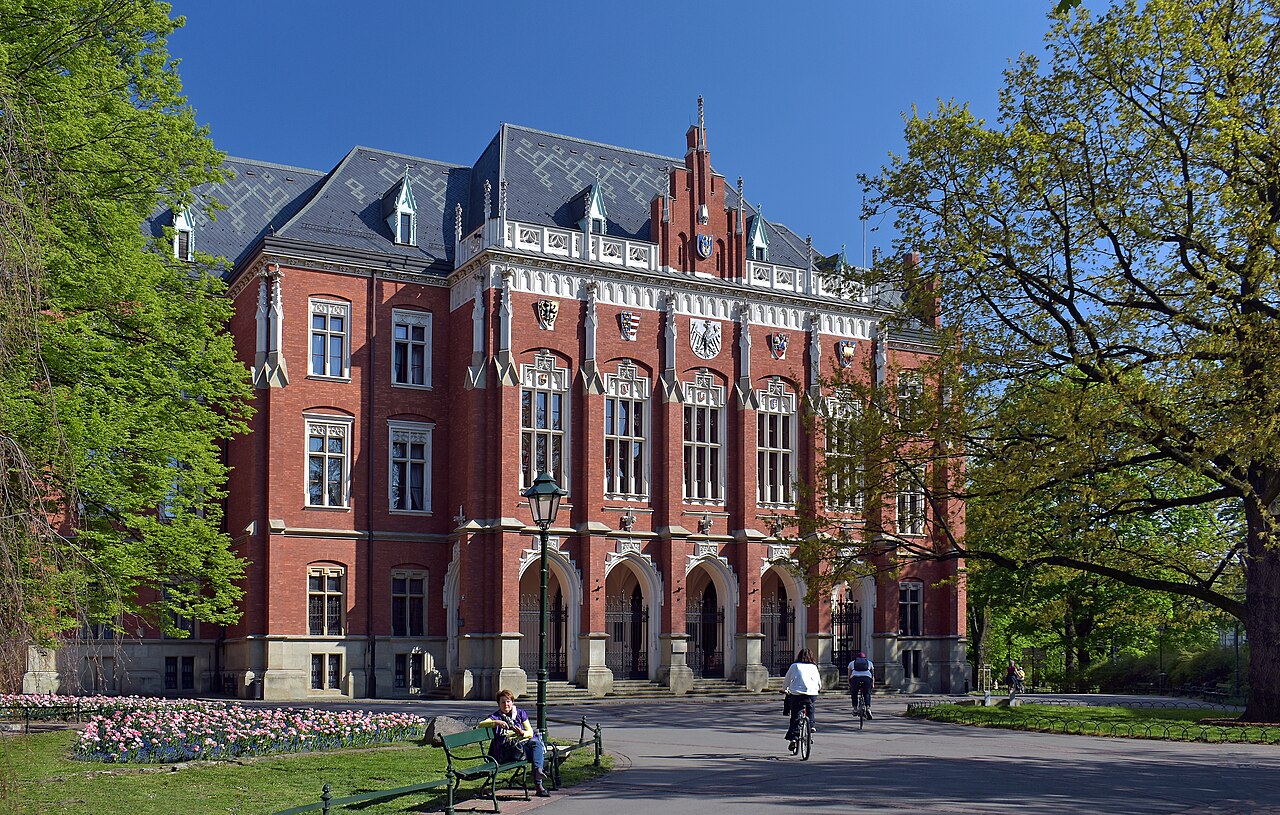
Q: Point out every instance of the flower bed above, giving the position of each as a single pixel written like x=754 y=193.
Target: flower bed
x=150 y=730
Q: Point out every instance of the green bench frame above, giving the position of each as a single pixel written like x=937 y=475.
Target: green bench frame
x=468 y=757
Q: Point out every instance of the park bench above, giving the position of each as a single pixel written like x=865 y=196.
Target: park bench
x=468 y=756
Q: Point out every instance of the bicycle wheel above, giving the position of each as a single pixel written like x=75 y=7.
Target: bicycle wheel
x=806 y=738
x=862 y=713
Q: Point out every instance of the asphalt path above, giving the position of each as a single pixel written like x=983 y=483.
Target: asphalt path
x=729 y=756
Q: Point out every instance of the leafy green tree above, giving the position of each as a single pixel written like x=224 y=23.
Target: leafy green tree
x=1104 y=259
x=118 y=381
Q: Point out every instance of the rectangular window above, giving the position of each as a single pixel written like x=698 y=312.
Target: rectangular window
x=624 y=448
x=911 y=664
x=184 y=244
x=329 y=352
x=542 y=435
x=170 y=673
x=911 y=499
x=703 y=479
x=408 y=671
x=408 y=604
x=327 y=463
x=326 y=671
x=409 y=486
x=910 y=604
x=775 y=444
x=910 y=399
x=188 y=673
x=843 y=461
x=406 y=227
x=411 y=348
x=326 y=606
x=775 y=456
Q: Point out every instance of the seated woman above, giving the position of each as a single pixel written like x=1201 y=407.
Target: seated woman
x=514 y=738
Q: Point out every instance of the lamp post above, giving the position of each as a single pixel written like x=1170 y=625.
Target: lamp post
x=544 y=502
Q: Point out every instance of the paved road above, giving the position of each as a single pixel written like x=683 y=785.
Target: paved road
x=730 y=757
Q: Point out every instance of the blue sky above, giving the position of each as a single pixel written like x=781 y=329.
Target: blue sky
x=800 y=97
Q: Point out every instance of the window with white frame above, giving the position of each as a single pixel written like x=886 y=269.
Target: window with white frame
x=409 y=486
x=703 y=445
x=326 y=601
x=910 y=398
x=910 y=607
x=408 y=603
x=326 y=671
x=328 y=462
x=910 y=499
x=183 y=232
x=544 y=420
x=330 y=339
x=626 y=422
x=411 y=348
x=775 y=444
x=844 y=463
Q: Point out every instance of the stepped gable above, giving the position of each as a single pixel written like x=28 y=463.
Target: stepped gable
x=346 y=212
x=257 y=198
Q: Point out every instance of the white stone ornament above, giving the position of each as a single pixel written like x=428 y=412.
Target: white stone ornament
x=704 y=338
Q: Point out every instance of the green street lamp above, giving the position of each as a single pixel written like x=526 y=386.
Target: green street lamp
x=544 y=502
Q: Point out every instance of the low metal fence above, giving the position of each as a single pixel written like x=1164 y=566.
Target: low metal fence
x=1234 y=733
x=46 y=713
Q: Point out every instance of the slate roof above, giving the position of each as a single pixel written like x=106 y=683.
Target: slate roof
x=546 y=172
x=346 y=211
x=342 y=209
x=259 y=197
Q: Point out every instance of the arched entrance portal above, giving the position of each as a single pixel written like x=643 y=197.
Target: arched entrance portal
x=557 y=617
x=704 y=623
x=778 y=624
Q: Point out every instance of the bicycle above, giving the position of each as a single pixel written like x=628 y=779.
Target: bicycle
x=860 y=708
x=802 y=744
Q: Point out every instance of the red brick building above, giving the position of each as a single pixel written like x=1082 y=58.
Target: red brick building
x=426 y=337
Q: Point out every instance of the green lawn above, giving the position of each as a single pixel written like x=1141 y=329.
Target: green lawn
x=37 y=777
x=1176 y=724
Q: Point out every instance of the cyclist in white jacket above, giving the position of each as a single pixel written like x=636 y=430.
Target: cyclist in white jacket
x=803 y=685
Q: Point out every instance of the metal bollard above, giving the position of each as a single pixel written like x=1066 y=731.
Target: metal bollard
x=599 y=745
x=325 y=797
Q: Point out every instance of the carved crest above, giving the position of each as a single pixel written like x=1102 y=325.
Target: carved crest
x=629 y=324
x=778 y=346
x=844 y=352
x=546 y=312
x=704 y=246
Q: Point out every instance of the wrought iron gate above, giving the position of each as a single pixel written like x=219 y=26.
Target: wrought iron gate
x=778 y=624
x=557 y=663
x=846 y=629
x=627 y=621
x=704 y=623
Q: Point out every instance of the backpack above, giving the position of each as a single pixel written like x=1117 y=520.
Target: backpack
x=861 y=664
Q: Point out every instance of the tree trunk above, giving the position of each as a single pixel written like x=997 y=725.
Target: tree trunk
x=1262 y=623
x=1084 y=661
x=1069 y=648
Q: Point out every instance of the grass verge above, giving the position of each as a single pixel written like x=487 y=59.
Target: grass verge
x=1171 y=724
x=39 y=777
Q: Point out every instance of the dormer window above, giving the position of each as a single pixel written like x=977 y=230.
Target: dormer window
x=594 y=218
x=183 y=234
x=401 y=213
x=758 y=240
